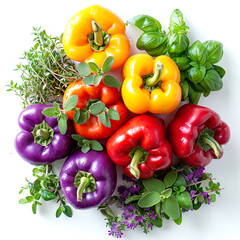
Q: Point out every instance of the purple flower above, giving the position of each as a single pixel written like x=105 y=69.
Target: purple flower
x=192 y=193
x=115 y=230
x=139 y=219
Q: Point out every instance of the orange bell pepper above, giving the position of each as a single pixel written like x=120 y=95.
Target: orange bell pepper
x=151 y=84
x=95 y=33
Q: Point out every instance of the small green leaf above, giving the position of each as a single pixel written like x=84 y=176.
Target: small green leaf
x=107 y=64
x=95 y=145
x=59 y=211
x=30 y=198
x=81 y=117
x=67 y=211
x=49 y=112
x=34 y=208
x=94 y=67
x=83 y=69
x=97 y=79
x=171 y=207
x=113 y=114
x=88 y=80
x=132 y=199
x=153 y=185
x=149 y=200
x=96 y=107
x=48 y=195
x=213 y=197
x=184 y=200
x=111 y=81
x=37 y=196
x=85 y=148
x=62 y=123
x=200 y=198
x=70 y=103
x=78 y=138
x=104 y=119
x=157 y=222
x=179 y=220
x=57 y=108
x=170 y=178
x=167 y=193
x=23 y=201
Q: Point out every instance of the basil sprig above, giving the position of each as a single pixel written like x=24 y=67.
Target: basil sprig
x=197 y=62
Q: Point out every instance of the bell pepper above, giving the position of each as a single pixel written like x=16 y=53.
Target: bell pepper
x=140 y=147
x=95 y=33
x=40 y=141
x=88 y=94
x=88 y=179
x=151 y=84
x=196 y=134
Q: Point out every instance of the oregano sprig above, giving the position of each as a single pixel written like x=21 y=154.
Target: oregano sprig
x=95 y=79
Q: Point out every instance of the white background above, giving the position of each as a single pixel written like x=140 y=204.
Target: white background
x=218 y=20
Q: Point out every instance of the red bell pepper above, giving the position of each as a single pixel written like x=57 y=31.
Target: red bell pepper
x=196 y=134
x=88 y=95
x=140 y=147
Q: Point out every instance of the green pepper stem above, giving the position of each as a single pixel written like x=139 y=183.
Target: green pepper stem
x=84 y=183
x=155 y=79
x=97 y=33
x=43 y=133
x=133 y=168
x=207 y=139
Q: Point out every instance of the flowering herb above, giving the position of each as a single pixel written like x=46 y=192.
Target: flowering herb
x=46 y=186
x=167 y=195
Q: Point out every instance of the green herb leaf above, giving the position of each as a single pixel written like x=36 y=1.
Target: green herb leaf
x=78 y=138
x=50 y=112
x=196 y=74
x=194 y=96
x=167 y=193
x=59 y=211
x=185 y=89
x=197 y=52
x=214 y=51
x=95 y=145
x=111 y=81
x=107 y=64
x=170 y=178
x=104 y=119
x=83 y=69
x=80 y=117
x=113 y=114
x=146 y=23
x=62 y=123
x=70 y=103
x=182 y=63
x=88 y=80
x=176 y=22
x=67 y=211
x=179 y=220
x=171 y=207
x=23 y=201
x=213 y=197
x=48 y=195
x=153 y=185
x=85 y=148
x=149 y=199
x=132 y=199
x=212 y=81
x=178 y=43
x=157 y=222
x=220 y=70
x=34 y=208
x=97 y=79
x=94 y=67
x=96 y=107
x=184 y=200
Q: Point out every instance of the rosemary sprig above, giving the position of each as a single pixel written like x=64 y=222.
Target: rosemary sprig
x=45 y=69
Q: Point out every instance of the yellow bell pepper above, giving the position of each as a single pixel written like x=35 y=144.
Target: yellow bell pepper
x=95 y=33
x=151 y=84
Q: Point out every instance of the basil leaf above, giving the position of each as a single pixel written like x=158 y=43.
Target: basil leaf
x=88 y=80
x=185 y=89
x=93 y=67
x=196 y=74
x=220 y=70
x=171 y=207
x=154 y=43
x=176 y=22
x=111 y=81
x=170 y=178
x=214 y=51
x=212 y=81
x=96 y=107
x=182 y=63
x=70 y=103
x=149 y=199
x=178 y=43
x=153 y=185
x=146 y=23
x=197 y=52
x=83 y=69
x=107 y=64
x=113 y=114
x=184 y=200
x=193 y=95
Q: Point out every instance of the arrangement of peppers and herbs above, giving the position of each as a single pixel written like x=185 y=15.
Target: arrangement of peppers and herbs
x=75 y=109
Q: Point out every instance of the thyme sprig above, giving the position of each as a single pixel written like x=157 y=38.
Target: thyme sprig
x=45 y=69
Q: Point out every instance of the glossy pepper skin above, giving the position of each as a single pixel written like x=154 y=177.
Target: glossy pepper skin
x=78 y=29
x=144 y=134
x=196 y=134
x=40 y=141
x=93 y=128
x=165 y=93
x=102 y=172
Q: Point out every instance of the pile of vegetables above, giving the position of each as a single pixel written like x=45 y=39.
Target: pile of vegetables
x=75 y=109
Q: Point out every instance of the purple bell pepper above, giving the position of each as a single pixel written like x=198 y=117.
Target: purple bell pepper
x=40 y=141
x=88 y=179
